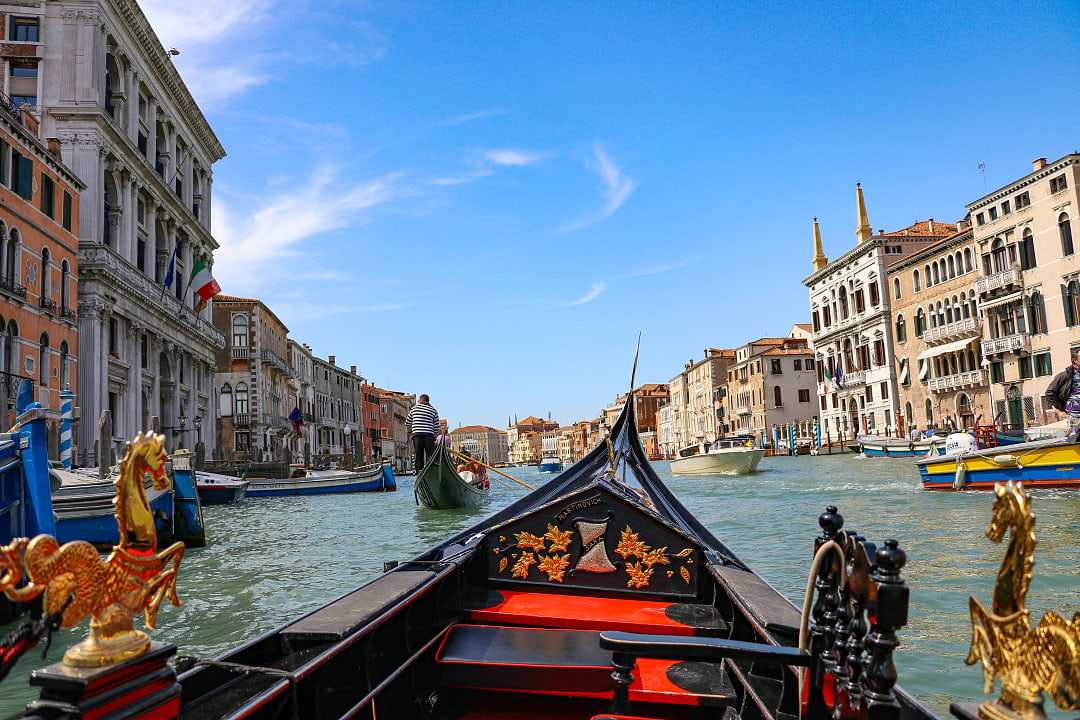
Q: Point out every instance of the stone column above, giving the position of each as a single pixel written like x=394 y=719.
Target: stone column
x=152 y=139
x=132 y=108
x=133 y=220
x=92 y=351
x=154 y=350
x=151 y=237
x=103 y=375
x=134 y=388
x=170 y=170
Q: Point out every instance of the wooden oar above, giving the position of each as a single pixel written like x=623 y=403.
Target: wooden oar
x=496 y=470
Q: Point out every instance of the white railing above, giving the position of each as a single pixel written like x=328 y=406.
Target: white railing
x=1008 y=343
x=1003 y=279
x=968 y=327
x=239 y=353
x=970 y=378
x=855 y=377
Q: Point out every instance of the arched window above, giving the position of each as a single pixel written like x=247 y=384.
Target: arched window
x=929 y=412
x=932 y=315
x=948 y=311
x=239 y=331
x=971 y=360
x=43 y=359
x=998 y=254
x=896 y=288
x=963 y=404
x=1065 y=231
x=843 y=303
x=927 y=277
x=12 y=258
x=44 y=274
x=952 y=268
x=1027 y=251
x=225 y=401
x=915 y=280
x=240 y=403
x=937 y=274
x=778 y=399
x=967 y=260
x=944 y=270
x=64 y=270
x=920 y=323
x=1036 y=308
x=971 y=302
x=959 y=263
x=64 y=384
x=940 y=314
x=901 y=329
x=907 y=412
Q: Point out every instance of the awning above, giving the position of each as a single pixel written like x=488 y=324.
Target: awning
x=946 y=348
x=1003 y=300
x=904 y=374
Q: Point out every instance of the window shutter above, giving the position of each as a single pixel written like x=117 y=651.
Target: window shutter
x=1066 y=302
x=26 y=178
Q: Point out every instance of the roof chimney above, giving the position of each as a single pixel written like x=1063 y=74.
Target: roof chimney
x=331 y=359
x=930 y=222
x=54 y=147
x=1038 y=163
x=352 y=369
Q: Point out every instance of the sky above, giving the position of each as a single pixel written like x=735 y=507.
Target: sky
x=487 y=202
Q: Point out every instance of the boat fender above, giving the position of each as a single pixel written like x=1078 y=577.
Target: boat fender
x=1006 y=460
x=960 y=481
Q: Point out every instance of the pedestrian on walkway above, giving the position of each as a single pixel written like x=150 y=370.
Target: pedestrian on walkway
x=423 y=424
x=1063 y=393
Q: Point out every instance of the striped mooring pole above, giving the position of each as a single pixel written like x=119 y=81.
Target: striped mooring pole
x=67 y=405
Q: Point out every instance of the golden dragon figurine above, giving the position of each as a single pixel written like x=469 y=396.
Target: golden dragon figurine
x=77 y=582
x=1028 y=661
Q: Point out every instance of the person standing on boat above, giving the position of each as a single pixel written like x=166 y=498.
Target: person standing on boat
x=1063 y=393
x=423 y=424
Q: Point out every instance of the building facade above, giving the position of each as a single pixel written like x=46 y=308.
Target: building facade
x=772 y=384
x=251 y=382
x=102 y=85
x=1028 y=286
x=485 y=443
x=665 y=431
x=705 y=415
x=394 y=410
x=852 y=326
x=302 y=397
x=936 y=333
x=339 y=427
x=39 y=201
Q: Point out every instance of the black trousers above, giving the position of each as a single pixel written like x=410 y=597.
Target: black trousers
x=424 y=447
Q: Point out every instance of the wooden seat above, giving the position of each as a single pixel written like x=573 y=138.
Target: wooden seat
x=569 y=663
x=586 y=612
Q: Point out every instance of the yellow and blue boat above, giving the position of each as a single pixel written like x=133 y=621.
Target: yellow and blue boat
x=1041 y=464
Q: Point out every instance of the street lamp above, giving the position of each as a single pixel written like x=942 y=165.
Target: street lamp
x=348 y=432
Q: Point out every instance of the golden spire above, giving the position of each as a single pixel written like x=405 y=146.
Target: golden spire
x=820 y=260
x=863 y=231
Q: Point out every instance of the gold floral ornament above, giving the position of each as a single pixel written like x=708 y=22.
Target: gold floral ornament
x=528 y=541
x=639 y=575
x=503 y=562
x=655 y=557
x=630 y=545
x=555 y=566
x=560 y=539
x=1028 y=661
x=73 y=578
x=521 y=567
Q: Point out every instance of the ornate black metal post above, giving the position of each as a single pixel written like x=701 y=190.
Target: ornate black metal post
x=890 y=613
x=857 y=568
x=823 y=614
x=623 y=664
x=843 y=628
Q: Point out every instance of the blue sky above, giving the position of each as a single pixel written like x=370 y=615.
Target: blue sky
x=487 y=201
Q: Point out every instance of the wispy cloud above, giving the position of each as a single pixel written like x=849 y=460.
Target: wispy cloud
x=277 y=226
x=512 y=157
x=617 y=187
x=485 y=162
x=661 y=268
x=464 y=118
x=592 y=294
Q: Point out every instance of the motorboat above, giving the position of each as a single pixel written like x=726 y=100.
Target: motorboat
x=1051 y=463
x=722 y=457
x=216 y=489
x=549 y=464
x=370 y=478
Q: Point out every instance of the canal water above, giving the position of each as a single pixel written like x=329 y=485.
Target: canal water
x=269 y=560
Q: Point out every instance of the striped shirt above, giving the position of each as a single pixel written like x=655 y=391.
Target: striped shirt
x=423 y=419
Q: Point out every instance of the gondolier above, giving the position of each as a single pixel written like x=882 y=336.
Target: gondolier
x=1063 y=393
x=423 y=425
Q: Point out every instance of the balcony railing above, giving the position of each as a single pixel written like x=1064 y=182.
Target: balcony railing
x=275 y=360
x=277 y=422
x=970 y=378
x=1018 y=342
x=67 y=313
x=1006 y=279
x=968 y=327
x=9 y=384
x=239 y=353
x=241 y=420
x=47 y=304
x=855 y=377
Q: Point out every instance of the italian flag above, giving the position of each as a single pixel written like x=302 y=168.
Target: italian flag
x=203 y=284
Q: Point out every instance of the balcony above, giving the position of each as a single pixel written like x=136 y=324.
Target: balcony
x=971 y=378
x=239 y=353
x=1018 y=342
x=1008 y=280
x=743 y=411
x=275 y=422
x=241 y=420
x=855 y=377
x=274 y=360
x=47 y=304
x=968 y=327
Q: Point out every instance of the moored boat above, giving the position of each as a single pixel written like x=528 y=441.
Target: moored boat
x=722 y=457
x=878 y=446
x=439 y=486
x=84 y=510
x=215 y=489
x=370 y=478
x=549 y=464
x=1053 y=463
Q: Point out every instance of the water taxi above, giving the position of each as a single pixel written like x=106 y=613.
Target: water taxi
x=722 y=457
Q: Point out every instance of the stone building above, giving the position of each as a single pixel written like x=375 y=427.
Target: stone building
x=39 y=215
x=665 y=431
x=102 y=85
x=705 y=387
x=936 y=331
x=852 y=325
x=1029 y=285
x=338 y=421
x=302 y=396
x=394 y=410
x=251 y=382
x=369 y=403
x=485 y=443
x=772 y=383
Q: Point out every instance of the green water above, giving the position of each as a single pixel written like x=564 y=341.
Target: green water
x=268 y=560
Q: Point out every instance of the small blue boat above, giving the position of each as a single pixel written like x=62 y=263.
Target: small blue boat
x=550 y=464
x=371 y=478
x=84 y=509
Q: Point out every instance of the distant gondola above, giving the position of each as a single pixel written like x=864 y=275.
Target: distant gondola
x=439 y=486
x=596 y=595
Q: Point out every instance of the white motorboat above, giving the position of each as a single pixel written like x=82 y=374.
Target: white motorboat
x=723 y=457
